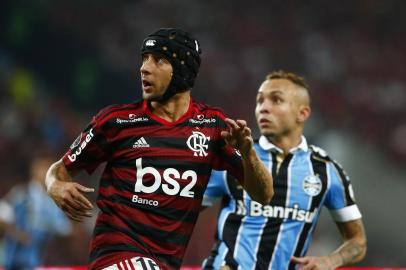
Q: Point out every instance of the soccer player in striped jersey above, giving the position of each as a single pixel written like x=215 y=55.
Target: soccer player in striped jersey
x=160 y=153
x=257 y=236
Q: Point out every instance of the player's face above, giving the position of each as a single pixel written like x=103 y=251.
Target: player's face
x=156 y=74
x=279 y=107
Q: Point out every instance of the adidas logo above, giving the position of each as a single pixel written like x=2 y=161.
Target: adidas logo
x=141 y=142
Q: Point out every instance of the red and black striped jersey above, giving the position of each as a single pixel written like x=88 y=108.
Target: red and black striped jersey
x=151 y=189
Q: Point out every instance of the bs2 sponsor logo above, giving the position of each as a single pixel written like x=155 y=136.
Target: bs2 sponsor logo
x=169 y=185
x=72 y=157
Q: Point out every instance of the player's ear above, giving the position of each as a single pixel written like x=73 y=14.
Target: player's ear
x=303 y=114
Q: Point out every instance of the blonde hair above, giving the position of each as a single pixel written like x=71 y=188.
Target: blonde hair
x=294 y=78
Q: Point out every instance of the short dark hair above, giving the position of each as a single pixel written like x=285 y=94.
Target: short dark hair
x=294 y=78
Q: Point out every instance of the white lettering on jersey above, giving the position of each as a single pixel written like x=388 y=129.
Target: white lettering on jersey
x=170 y=176
x=269 y=211
x=137 y=199
x=143 y=263
x=82 y=146
x=131 y=119
x=241 y=209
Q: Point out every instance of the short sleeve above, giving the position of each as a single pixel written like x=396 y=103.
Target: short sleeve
x=89 y=149
x=216 y=188
x=340 y=196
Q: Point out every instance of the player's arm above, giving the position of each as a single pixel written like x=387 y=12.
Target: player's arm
x=351 y=251
x=355 y=243
x=12 y=231
x=258 y=181
x=67 y=194
x=86 y=153
x=340 y=200
x=7 y=219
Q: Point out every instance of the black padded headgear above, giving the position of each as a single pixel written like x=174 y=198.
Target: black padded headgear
x=182 y=51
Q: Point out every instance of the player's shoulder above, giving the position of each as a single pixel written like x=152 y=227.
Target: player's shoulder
x=209 y=110
x=16 y=194
x=117 y=110
x=319 y=153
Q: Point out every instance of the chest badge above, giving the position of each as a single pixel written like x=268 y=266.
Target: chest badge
x=312 y=185
x=198 y=143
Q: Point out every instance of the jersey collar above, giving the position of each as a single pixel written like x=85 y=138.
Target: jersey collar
x=268 y=146
x=184 y=117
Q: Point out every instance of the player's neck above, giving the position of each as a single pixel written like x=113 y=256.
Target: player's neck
x=287 y=142
x=172 y=109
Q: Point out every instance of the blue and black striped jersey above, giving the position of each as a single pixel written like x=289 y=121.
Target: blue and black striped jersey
x=255 y=236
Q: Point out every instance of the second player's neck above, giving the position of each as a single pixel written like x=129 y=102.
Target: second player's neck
x=287 y=143
x=172 y=109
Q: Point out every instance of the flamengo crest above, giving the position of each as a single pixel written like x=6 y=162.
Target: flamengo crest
x=198 y=143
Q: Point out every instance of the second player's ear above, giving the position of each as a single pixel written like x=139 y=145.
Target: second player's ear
x=303 y=114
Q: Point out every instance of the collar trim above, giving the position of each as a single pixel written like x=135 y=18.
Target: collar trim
x=268 y=146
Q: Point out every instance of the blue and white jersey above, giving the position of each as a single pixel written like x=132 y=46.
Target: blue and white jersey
x=31 y=210
x=254 y=236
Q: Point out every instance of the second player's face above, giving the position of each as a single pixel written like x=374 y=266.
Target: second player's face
x=277 y=108
x=156 y=74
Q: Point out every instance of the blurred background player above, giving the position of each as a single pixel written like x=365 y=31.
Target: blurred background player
x=278 y=235
x=159 y=153
x=28 y=220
